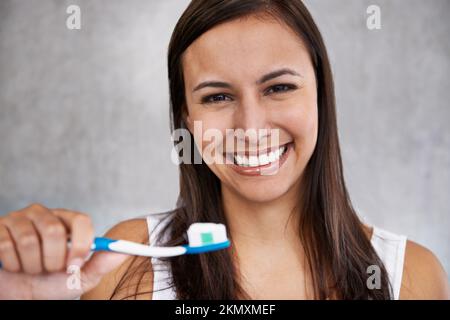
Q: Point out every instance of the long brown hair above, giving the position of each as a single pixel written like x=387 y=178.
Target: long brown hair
x=338 y=250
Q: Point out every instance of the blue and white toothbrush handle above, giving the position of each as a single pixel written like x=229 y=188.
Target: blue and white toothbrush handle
x=133 y=248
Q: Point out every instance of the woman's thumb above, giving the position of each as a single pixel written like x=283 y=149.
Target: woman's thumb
x=100 y=264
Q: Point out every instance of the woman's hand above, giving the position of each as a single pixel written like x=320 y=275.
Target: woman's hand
x=36 y=260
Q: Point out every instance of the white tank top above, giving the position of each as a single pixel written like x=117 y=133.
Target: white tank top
x=390 y=248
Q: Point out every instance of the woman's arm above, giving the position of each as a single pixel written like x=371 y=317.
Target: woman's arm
x=132 y=230
x=423 y=275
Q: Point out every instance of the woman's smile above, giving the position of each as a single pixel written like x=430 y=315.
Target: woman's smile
x=261 y=162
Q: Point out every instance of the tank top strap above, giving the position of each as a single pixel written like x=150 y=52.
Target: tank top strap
x=391 y=248
x=162 y=274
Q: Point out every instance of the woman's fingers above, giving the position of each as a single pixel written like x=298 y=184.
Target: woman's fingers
x=53 y=237
x=81 y=234
x=27 y=242
x=34 y=239
x=34 y=253
x=8 y=255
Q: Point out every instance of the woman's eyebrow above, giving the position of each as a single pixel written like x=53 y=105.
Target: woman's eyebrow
x=264 y=78
x=278 y=73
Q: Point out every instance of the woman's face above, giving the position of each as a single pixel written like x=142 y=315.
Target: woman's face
x=237 y=56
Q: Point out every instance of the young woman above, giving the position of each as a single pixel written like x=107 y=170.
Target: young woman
x=247 y=64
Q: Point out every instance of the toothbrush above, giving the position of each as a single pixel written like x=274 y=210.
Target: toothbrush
x=202 y=236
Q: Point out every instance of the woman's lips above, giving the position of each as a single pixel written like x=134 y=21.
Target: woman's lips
x=262 y=170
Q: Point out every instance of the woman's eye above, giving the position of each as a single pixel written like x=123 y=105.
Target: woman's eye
x=215 y=98
x=280 y=88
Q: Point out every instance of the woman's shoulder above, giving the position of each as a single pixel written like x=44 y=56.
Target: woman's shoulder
x=423 y=275
x=134 y=229
x=139 y=229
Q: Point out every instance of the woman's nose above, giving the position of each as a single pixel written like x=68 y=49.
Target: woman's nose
x=251 y=117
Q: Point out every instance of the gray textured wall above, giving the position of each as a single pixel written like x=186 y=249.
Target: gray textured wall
x=84 y=114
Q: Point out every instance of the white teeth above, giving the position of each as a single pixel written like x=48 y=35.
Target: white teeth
x=263 y=159
x=242 y=160
x=253 y=161
x=277 y=153
x=239 y=159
